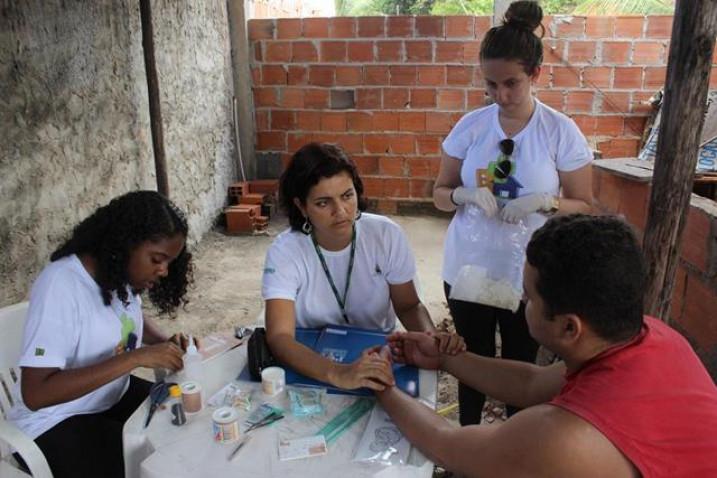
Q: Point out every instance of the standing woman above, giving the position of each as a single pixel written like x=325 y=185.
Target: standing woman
x=85 y=330
x=519 y=142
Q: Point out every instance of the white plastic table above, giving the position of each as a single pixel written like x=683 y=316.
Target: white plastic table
x=166 y=451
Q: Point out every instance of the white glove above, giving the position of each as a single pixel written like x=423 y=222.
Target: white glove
x=518 y=209
x=481 y=197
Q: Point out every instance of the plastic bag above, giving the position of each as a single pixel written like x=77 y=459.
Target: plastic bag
x=493 y=260
x=382 y=442
x=306 y=401
x=232 y=396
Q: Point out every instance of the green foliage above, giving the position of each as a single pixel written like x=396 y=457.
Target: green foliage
x=553 y=7
x=463 y=7
x=383 y=7
x=485 y=7
x=621 y=7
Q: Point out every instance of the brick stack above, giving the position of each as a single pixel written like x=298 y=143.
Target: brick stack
x=251 y=204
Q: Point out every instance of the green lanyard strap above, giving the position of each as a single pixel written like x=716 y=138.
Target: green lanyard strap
x=339 y=300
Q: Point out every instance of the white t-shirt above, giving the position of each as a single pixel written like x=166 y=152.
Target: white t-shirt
x=549 y=143
x=69 y=326
x=293 y=271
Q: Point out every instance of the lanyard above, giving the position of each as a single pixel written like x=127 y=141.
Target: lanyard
x=341 y=302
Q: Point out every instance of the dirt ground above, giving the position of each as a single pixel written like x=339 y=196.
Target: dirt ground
x=227 y=276
x=227 y=289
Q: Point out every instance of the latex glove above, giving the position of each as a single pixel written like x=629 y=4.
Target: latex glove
x=518 y=209
x=481 y=197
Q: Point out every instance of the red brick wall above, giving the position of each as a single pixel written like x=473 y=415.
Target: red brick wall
x=694 y=300
x=388 y=89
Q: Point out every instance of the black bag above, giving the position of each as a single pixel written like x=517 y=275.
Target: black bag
x=259 y=355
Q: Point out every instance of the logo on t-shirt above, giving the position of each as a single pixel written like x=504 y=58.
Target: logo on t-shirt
x=39 y=351
x=127 y=328
x=499 y=177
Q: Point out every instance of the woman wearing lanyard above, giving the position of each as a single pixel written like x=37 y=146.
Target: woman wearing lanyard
x=335 y=265
x=518 y=153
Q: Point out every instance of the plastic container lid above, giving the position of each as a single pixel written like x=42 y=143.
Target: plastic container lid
x=175 y=391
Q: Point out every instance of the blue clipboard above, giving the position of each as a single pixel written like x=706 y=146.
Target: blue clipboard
x=344 y=345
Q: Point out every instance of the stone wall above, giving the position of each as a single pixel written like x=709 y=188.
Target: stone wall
x=195 y=78
x=74 y=121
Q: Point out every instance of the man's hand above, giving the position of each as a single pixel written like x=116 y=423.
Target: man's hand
x=416 y=348
x=518 y=209
x=371 y=370
x=481 y=197
x=449 y=344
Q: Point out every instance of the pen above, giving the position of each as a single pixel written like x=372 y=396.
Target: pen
x=235 y=452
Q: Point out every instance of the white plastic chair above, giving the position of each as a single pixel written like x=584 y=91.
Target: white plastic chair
x=12 y=323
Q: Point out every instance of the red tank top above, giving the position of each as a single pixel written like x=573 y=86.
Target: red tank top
x=653 y=399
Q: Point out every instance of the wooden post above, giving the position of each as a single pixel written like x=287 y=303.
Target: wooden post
x=688 y=70
x=155 y=112
x=242 y=87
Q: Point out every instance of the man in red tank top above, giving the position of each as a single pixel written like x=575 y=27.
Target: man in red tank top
x=630 y=397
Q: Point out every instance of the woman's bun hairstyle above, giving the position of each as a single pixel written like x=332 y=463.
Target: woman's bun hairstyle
x=515 y=38
x=523 y=15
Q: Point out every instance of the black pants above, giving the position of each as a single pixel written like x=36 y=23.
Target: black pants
x=91 y=445
x=476 y=324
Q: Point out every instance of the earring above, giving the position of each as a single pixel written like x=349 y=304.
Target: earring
x=306 y=228
x=358 y=214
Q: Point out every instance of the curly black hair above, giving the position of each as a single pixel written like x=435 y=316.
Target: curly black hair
x=514 y=39
x=591 y=266
x=309 y=164
x=111 y=233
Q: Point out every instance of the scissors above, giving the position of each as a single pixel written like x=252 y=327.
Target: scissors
x=267 y=420
x=158 y=393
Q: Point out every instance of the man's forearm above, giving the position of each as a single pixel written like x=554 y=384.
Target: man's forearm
x=516 y=383
x=418 y=423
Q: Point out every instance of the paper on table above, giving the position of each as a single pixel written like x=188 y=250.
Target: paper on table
x=305 y=447
x=214 y=344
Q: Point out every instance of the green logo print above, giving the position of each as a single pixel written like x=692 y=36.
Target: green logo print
x=39 y=351
x=127 y=328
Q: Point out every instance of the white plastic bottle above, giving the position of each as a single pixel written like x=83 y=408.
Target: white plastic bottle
x=193 y=367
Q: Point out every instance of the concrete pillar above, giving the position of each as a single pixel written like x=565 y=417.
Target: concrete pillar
x=499 y=9
x=242 y=86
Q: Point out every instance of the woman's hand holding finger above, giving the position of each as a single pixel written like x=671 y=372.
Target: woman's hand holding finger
x=370 y=370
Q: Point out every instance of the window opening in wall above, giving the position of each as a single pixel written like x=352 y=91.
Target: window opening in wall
x=360 y=8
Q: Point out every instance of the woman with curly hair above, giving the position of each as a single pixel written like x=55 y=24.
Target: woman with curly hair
x=84 y=319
